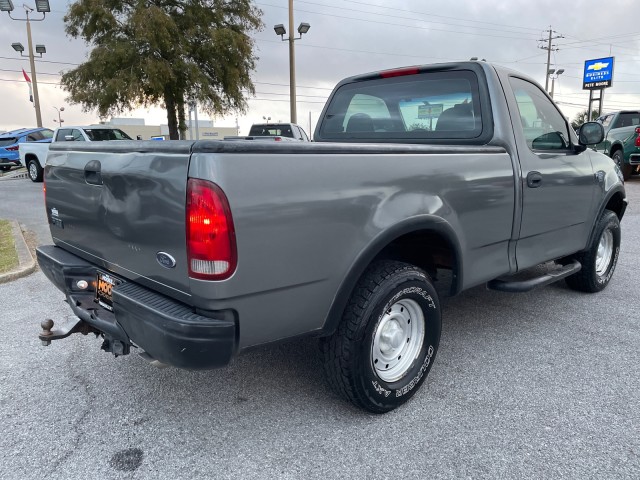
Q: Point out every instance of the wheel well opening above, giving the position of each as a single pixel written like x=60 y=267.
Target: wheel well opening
x=428 y=250
x=614 y=149
x=615 y=204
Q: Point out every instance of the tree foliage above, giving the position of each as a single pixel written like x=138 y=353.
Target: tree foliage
x=146 y=52
x=581 y=117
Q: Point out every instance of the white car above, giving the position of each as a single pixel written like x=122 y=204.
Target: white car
x=34 y=155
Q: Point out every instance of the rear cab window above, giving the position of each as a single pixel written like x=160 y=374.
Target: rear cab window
x=425 y=107
x=271 y=131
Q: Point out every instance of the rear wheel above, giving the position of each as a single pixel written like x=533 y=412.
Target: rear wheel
x=600 y=259
x=387 y=340
x=5 y=168
x=35 y=171
x=625 y=168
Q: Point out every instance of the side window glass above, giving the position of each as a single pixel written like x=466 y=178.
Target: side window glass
x=77 y=136
x=32 y=138
x=304 y=135
x=544 y=126
x=63 y=132
x=606 y=121
x=46 y=134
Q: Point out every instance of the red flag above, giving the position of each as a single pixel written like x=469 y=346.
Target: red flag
x=26 y=77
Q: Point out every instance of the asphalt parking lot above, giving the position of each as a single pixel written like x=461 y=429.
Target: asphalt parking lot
x=537 y=385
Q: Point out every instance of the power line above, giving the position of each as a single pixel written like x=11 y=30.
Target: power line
x=386 y=15
x=397 y=24
x=439 y=16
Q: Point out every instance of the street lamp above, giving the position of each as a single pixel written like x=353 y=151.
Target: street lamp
x=42 y=6
x=280 y=30
x=60 y=121
x=266 y=119
x=553 y=74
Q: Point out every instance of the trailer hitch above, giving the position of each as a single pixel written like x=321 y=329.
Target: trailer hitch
x=75 y=325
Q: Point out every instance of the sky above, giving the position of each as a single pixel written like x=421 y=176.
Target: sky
x=350 y=37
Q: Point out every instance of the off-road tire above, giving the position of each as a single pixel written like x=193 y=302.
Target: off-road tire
x=588 y=279
x=348 y=354
x=625 y=168
x=34 y=170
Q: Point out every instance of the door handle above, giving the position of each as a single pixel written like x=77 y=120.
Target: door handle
x=93 y=173
x=534 y=179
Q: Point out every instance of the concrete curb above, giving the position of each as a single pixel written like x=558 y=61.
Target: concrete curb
x=16 y=174
x=26 y=262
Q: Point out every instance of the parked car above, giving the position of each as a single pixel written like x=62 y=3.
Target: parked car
x=274 y=131
x=11 y=141
x=34 y=156
x=193 y=252
x=622 y=140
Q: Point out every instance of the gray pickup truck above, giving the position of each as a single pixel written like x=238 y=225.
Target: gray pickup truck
x=192 y=252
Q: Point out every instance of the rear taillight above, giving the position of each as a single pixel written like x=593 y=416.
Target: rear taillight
x=211 y=239
x=637 y=136
x=12 y=149
x=277 y=139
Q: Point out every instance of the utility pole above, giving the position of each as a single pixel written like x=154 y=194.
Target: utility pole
x=549 y=47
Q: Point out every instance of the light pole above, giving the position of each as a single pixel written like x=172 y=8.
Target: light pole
x=280 y=30
x=42 y=6
x=60 y=121
x=553 y=74
x=266 y=119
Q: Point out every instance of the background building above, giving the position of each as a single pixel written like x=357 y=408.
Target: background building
x=136 y=126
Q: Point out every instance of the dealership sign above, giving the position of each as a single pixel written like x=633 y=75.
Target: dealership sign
x=598 y=73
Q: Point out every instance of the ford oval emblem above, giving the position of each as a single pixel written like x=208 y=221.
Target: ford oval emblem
x=166 y=260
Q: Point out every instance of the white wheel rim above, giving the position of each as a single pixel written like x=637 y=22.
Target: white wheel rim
x=605 y=251
x=398 y=340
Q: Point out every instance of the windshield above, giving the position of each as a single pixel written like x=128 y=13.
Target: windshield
x=7 y=141
x=103 y=134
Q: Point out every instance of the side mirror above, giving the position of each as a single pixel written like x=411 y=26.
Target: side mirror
x=68 y=138
x=591 y=133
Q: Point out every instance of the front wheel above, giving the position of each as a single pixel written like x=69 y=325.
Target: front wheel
x=625 y=168
x=600 y=259
x=35 y=171
x=387 y=340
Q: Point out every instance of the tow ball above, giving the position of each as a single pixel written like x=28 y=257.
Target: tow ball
x=75 y=325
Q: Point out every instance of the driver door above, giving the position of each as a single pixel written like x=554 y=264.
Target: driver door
x=558 y=184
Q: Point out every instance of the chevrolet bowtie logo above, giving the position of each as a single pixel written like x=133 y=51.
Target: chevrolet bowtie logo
x=598 y=66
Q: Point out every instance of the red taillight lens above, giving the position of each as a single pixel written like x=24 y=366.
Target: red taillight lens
x=13 y=149
x=399 y=72
x=211 y=238
x=637 y=136
x=277 y=139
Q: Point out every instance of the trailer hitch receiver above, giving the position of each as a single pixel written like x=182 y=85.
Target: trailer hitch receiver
x=75 y=325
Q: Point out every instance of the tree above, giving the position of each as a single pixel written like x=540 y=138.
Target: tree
x=581 y=117
x=147 y=52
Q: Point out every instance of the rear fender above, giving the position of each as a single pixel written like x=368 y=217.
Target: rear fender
x=423 y=223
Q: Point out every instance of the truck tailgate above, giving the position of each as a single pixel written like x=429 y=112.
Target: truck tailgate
x=122 y=207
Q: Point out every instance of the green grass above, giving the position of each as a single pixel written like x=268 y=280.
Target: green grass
x=8 y=255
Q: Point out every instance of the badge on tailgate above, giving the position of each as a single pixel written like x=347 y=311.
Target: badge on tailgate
x=104 y=289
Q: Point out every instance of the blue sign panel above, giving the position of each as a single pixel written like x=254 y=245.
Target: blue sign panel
x=598 y=73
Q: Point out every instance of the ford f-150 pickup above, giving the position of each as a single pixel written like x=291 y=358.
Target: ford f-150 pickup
x=192 y=252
